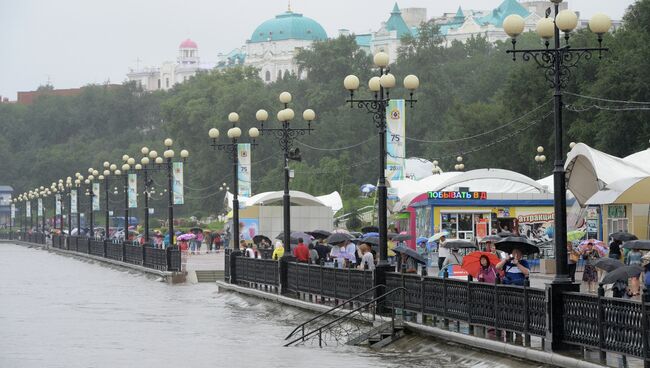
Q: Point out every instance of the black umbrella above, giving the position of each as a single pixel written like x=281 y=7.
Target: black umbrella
x=623 y=236
x=370 y=229
x=294 y=236
x=401 y=237
x=458 y=244
x=392 y=235
x=511 y=243
x=622 y=274
x=338 y=238
x=505 y=234
x=411 y=253
x=258 y=239
x=491 y=238
x=372 y=240
x=607 y=264
x=637 y=244
x=196 y=230
x=319 y=234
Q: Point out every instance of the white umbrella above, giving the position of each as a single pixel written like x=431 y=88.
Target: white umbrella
x=437 y=236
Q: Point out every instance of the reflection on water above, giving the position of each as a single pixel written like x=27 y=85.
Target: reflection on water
x=57 y=311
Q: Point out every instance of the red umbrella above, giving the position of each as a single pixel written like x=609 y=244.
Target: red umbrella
x=472 y=262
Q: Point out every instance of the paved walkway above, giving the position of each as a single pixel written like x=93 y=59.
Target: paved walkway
x=204 y=261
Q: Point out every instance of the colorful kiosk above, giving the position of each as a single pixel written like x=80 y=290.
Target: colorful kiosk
x=471 y=205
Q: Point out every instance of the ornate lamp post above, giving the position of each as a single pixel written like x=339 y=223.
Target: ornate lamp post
x=557 y=61
x=285 y=135
x=460 y=166
x=380 y=87
x=169 y=156
x=128 y=165
x=90 y=180
x=231 y=148
x=77 y=188
x=110 y=171
x=540 y=158
x=149 y=163
x=68 y=186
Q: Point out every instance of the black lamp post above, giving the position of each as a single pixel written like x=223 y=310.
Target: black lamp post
x=110 y=171
x=380 y=87
x=169 y=156
x=557 y=61
x=540 y=158
x=68 y=186
x=231 y=148
x=149 y=163
x=77 y=189
x=127 y=166
x=285 y=135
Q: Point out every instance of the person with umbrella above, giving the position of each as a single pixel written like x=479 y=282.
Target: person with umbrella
x=322 y=249
x=590 y=274
x=487 y=272
x=633 y=258
x=572 y=260
x=515 y=268
x=443 y=252
x=453 y=259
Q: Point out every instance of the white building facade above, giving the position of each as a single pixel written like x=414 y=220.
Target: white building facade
x=170 y=73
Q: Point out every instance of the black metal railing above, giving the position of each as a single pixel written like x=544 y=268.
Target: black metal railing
x=133 y=254
x=606 y=324
x=174 y=259
x=114 y=250
x=259 y=271
x=155 y=258
x=518 y=309
x=337 y=283
x=226 y=265
x=83 y=244
x=96 y=247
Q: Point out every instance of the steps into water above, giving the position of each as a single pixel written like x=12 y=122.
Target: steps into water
x=209 y=275
x=379 y=336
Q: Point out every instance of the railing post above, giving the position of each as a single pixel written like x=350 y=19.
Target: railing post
x=322 y=264
x=645 y=298
x=123 y=252
x=602 y=355
x=233 y=265
x=105 y=251
x=470 y=326
x=445 y=275
x=526 y=313
x=284 y=273
x=144 y=254
x=555 y=313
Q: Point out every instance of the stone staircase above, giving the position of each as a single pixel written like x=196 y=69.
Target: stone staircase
x=379 y=336
x=209 y=275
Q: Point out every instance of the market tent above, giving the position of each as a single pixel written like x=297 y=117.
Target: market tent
x=640 y=159
x=332 y=200
x=628 y=190
x=589 y=171
x=270 y=198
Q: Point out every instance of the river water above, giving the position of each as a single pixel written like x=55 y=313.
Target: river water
x=59 y=311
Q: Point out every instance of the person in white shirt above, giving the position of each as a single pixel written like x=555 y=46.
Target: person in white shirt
x=367 y=259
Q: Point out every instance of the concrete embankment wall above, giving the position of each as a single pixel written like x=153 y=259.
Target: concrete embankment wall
x=519 y=352
x=167 y=276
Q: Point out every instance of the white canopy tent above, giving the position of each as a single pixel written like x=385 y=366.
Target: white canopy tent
x=332 y=200
x=589 y=171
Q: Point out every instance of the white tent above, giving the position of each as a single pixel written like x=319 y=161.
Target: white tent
x=640 y=159
x=332 y=200
x=589 y=171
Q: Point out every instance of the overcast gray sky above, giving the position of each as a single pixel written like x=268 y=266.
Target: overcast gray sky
x=76 y=42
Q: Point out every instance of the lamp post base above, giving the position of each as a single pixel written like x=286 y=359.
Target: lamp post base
x=555 y=311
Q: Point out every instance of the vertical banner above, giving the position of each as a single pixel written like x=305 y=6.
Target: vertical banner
x=133 y=191
x=40 y=208
x=28 y=209
x=13 y=211
x=73 y=201
x=96 y=197
x=244 y=169
x=395 y=140
x=177 y=186
x=58 y=204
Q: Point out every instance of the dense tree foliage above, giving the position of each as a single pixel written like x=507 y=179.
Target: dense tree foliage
x=473 y=101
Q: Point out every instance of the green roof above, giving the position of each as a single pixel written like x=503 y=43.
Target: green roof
x=288 y=26
x=506 y=8
x=459 y=14
x=397 y=23
x=363 y=40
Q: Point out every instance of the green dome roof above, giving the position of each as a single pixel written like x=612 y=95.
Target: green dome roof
x=288 y=26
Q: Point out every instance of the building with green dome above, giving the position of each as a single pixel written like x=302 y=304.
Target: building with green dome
x=274 y=43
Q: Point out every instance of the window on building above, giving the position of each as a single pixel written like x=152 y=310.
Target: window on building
x=615 y=225
x=423 y=222
x=279 y=74
x=166 y=82
x=267 y=76
x=286 y=73
x=158 y=83
x=464 y=225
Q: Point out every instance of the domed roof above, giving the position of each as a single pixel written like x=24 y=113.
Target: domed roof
x=288 y=26
x=188 y=44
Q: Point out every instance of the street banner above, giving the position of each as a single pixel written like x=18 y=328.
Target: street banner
x=28 y=209
x=58 y=204
x=96 y=197
x=133 y=191
x=13 y=211
x=244 y=169
x=395 y=140
x=39 y=211
x=177 y=187
x=73 y=201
